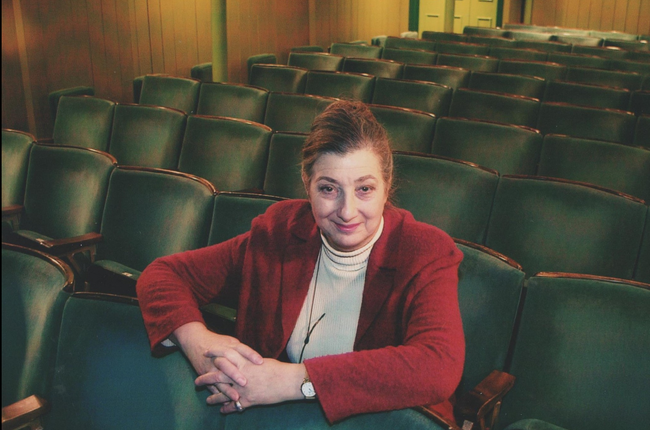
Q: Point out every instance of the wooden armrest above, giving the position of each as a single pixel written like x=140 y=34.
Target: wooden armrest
x=442 y=422
x=484 y=400
x=23 y=412
x=12 y=210
x=68 y=244
x=46 y=140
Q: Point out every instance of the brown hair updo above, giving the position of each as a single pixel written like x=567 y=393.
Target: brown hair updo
x=344 y=127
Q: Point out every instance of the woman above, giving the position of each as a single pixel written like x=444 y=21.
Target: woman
x=342 y=298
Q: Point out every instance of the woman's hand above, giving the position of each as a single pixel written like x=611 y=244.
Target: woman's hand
x=269 y=383
x=212 y=352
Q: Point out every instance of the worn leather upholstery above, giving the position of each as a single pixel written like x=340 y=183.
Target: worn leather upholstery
x=462 y=48
x=407 y=43
x=275 y=77
x=410 y=56
x=498 y=107
x=475 y=63
x=425 y=96
x=233 y=100
x=642 y=272
x=355 y=50
x=283 y=172
x=408 y=129
x=642 y=131
x=541 y=69
x=640 y=102
x=587 y=95
x=230 y=153
x=544 y=46
x=147 y=136
x=375 y=67
x=614 y=54
x=521 y=85
x=355 y=86
x=454 y=77
x=316 y=61
x=485 y=31
x=441 y=35
x=452 y=195
x=492 y=41
x=84 y=121
x=611 y=78
x=512 y=53
x=202 y=72
x=170 y=91
x=505 y=148
x=577 y=60
x=16 y=146
x=294 y=112
x=54 y=97
x=579 y=40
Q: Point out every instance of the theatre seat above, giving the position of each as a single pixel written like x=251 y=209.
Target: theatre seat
x=508 y=149
x=374 y=67
x=425 y=96
x=511 y=53
x=83 y=121
x=410 y=56
x=462 y=48
x=544 y=46
x=276 y=77
x=611 y=78
x=531 y=35
x=54 y=97
x=408 y=129
x=579 y=40
x=16 y=146
x=642 y=131
x=283 y=171
x=454 y=77
x=485 y=31
x=230 y=153
x=541 y=69
x=441 y=35
x=587 y=95
x=294 y=112
x=612 y=53
x=528 y=86
x=35 y=287
x=233 y=100
x=640 y=102
x=580 y=354
x=170 y=91
x=475 y=63
x=259 y=59
x=492 y=41
x=492 y=106
x=355 y=86
x=316 y=60
x=557 y=225
x=147 y=136
x=453 y=195
x=408 y=43
x=202 y=72
x=578 y=60
x=355 y=50
x=642 y=272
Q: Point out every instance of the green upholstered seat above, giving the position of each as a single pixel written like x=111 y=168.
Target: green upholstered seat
x=137 y=88
x=147 y=136
x=557 y=225
x=420 y=95
x=83 y=121
x=408 y=43
x=587 y=95
x=642 y=67
x=32 y=303
x=54 y=96
x=170 y=91
x=533 y=424
x=544 y=46
x=65 y=191
x=276 y=77
x=528 y=86
x=230 y=153
x=610 y=165
x=492 y=41
x=453 y=195
x=475 y=63
x=613 y=35
x=631 y=81
x=642 y=272
x=640 y=56
x=260 y=59
x=454 y=77
x=485 y=31
x=642 y=131
x=462 y=48
x=512 y=53
x=508 y=149
x=600 y=51
x=307 y=48
x=355 y=50
x=346 y=85
x=294 y=112
x=492 y=106
x=408 y=129
x=202 y=72
x=233 y=100
x=409 y=56
x=581 y=354
x=640 y=102
x=283 y=171
x=578 y=60
x=541 y=69
x=441 y=35
x=316 y=60
x=531 y=35
x=586 y=122
x=630 y=45
x=578 y=40
x=375 y=67
x=234 y=212
x=16 y=146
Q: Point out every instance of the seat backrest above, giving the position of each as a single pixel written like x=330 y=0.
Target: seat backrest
x=277 y=77
x=640 y=102
x=151 y=213
x=511 y=53
x=420 y=95
x=234 y=212
x=531 y=35
x=462 y=48
x=631 y=81
x=587 y=95
x=489 y=289
x=307 y=48
x=618 y=167
x=260 y=59
x=33 y=296
x=316 y=61
x=83 y=121
x=294 y=112
x=454 y=77
x=630 y=45
x=453 y=195
x=599 y=51
x=579 y=40
x=544 y=46
x=642 y=271
x=522 y=85
x=355 y=86
x=408 y=129
x=233 y=100
x=612 y=35
x=491 y=106
x=408 y=43
x=170 y=91
x=578 y=60
x=641 y=56
x=355 y=50
x=375 y=67
x=441 y=35
x=147 y=136
x=485 y=31
x=508 y=149
x=541 y=69
x=475 y=63
x=54 y=97
x=492 y=41
x=587 y=122
x=16 y=146
x=283 y=172
x=628 y=65
x=202 y=72
x=230 y=153
x=558 y=225
x=409 y=56
x=573 y=328
x=65 y=190
x=642 y=131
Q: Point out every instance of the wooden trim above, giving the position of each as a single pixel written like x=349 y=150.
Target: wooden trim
x=96 y=151
x=203 y=181
x=567 y=275
x=239 y=120
x=55 y=261
x=24 y=66
x=442 y=157
x=491 y=252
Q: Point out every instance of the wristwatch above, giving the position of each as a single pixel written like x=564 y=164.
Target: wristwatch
x=307 y=389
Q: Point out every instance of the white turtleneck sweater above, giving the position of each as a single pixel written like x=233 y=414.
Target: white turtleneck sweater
x=336 y=290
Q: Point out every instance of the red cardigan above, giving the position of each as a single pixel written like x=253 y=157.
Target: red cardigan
x=409 y=347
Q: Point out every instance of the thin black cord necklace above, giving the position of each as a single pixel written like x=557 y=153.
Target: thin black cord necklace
x=311 y=309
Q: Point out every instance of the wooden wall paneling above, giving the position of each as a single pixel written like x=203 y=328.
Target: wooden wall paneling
x=354 y=22
x=14 y=108
x=620 y=13
x=236 y=39
x=632 y=16
x=141 y=34
x=607 y=17
x=97 y=47
x=156 y=36
x=544 y=12
x=296 y=32
x=595 y=14
x=561 y=7
x=583 y=14
x=185 y=42
x=134 y=38
x=81 y=43
x=643 y=26
x=203 y=30
x=168 y=37
x=572 y=13
x=113 y=88
x=126 y=53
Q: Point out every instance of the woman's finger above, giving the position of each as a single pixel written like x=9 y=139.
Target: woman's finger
x=212 y=378
x=230 y=370
x=216 y=399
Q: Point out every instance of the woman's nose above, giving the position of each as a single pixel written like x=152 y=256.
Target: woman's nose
x=347 y=208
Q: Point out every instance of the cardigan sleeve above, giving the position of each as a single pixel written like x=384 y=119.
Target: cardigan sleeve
x=173 y=288
x=424 y=369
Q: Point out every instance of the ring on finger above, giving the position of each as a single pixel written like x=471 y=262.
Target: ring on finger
x=238 y=406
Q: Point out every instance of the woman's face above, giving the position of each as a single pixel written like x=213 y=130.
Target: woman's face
x=348 y=194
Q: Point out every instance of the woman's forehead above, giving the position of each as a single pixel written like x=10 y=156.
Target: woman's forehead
x=359 y=163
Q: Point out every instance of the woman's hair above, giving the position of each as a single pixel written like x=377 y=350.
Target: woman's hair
x=342 y=128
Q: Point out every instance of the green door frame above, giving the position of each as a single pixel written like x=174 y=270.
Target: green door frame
x=414 y=14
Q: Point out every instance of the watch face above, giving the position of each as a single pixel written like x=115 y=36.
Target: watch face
x=308 y=389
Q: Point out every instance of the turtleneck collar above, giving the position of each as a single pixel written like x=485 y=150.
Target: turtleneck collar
x=351 y=260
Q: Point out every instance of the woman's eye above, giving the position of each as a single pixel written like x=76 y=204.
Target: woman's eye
x=365 y=189
x=326 y=189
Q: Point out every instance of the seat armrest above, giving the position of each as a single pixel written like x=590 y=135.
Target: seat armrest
x=48 y=140
x=70 y=244
x=433 y=415
x=23 y=412
x=11 y=210
x=481 y=405
x=11 y=215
